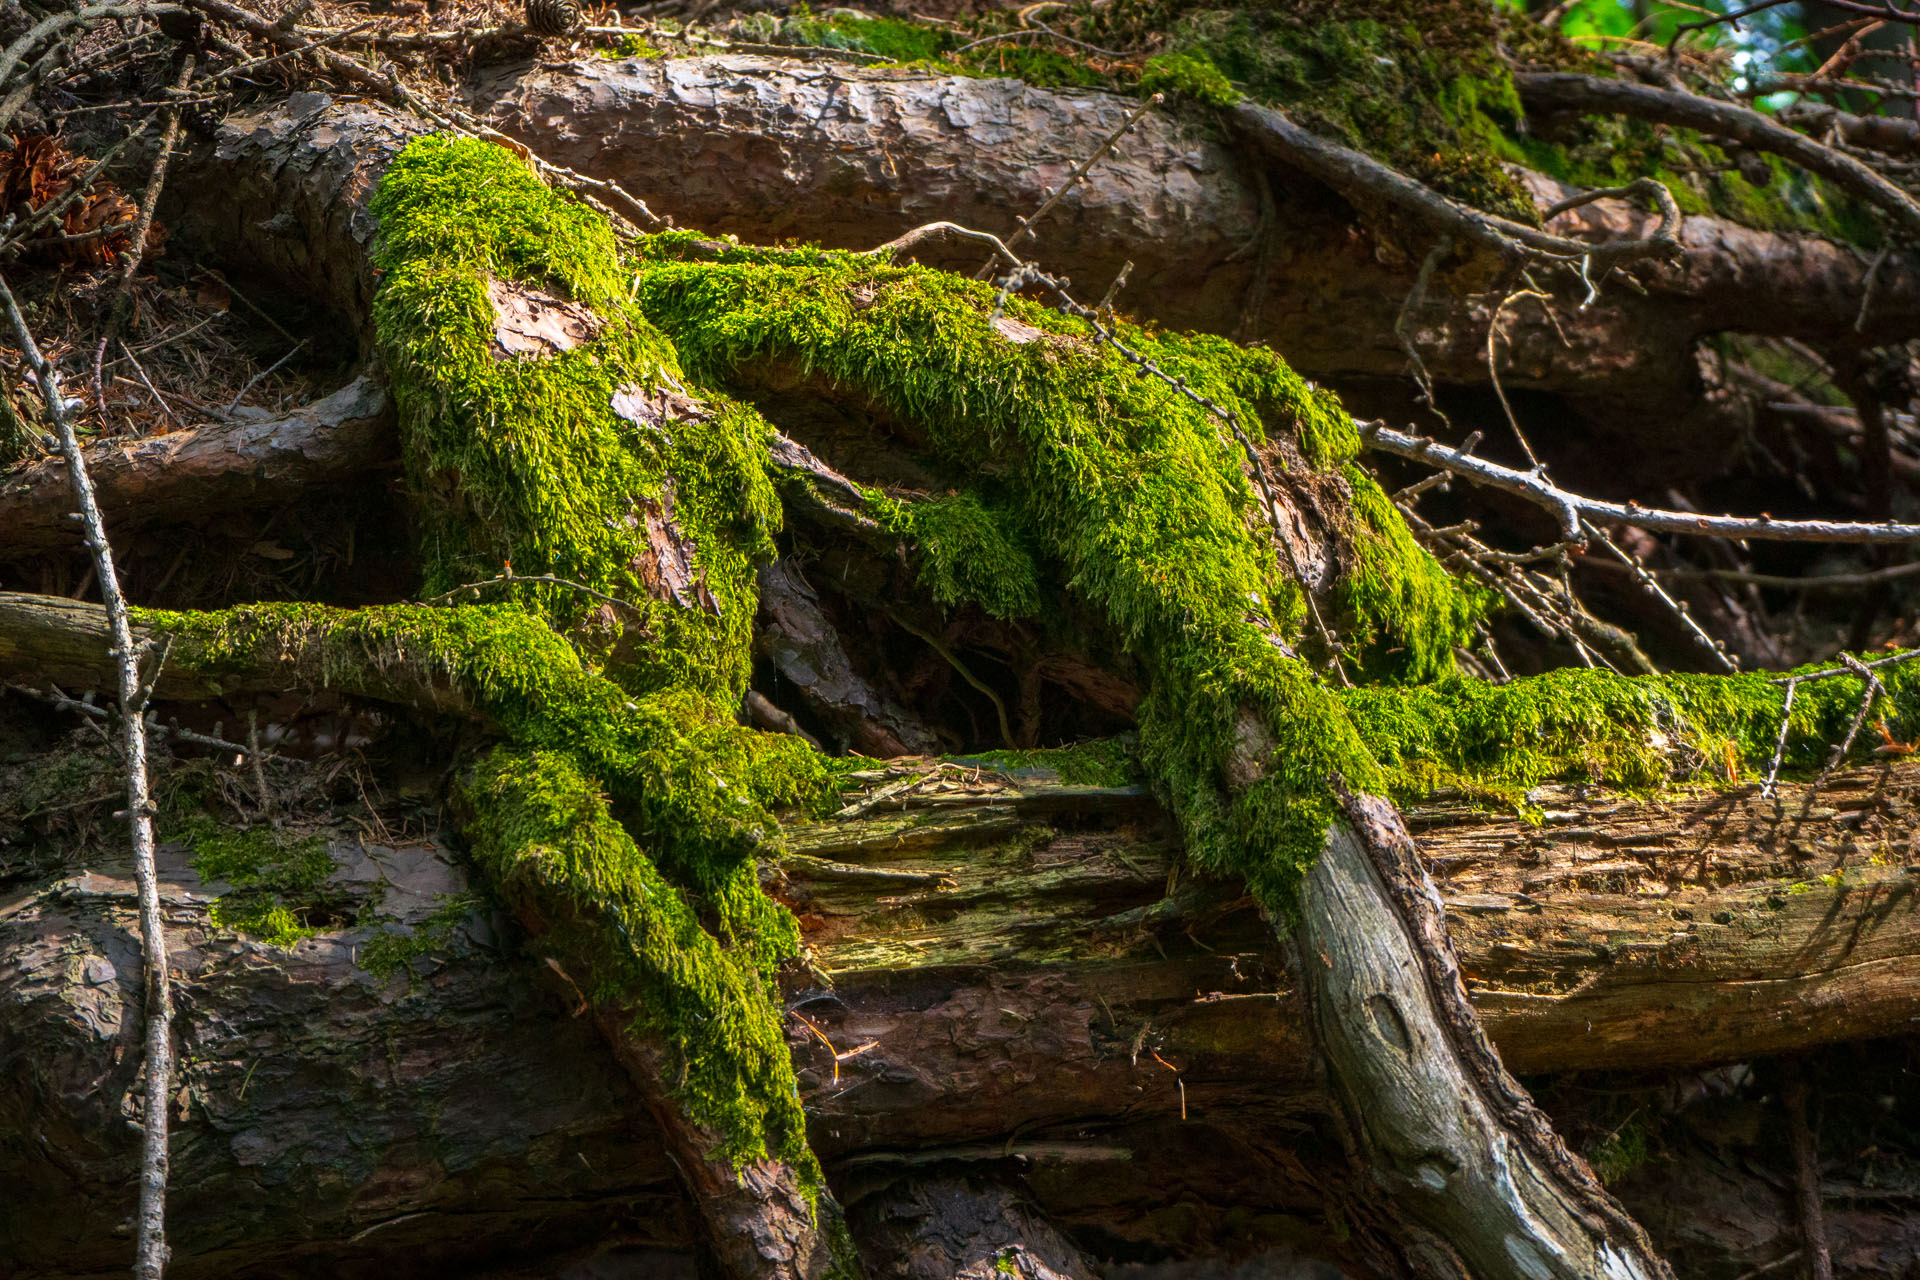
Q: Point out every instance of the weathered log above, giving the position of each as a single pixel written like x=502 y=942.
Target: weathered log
x=764 y=148
x=1619 y=934
x=188 y=476
x=1055 y=1004
x=327 y=1117
x=1435 y=1119
x=961 y=1229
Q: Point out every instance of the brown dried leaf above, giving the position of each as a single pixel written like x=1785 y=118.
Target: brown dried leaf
x=38 y=170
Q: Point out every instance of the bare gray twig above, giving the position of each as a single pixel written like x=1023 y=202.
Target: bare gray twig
x=151 y=1245
x=1569 y=509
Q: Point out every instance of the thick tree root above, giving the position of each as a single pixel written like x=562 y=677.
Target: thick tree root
x=1436 y=1121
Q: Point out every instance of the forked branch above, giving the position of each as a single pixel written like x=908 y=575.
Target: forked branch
x=1569 y=509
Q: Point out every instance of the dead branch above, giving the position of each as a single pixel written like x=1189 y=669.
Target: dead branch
x=1570 y=91
x=1806 y=1174
x=1569 y=509
x=1385 y=995
x=189 y=476
x=1362 y=178
x=1889 y=135
x=150 y=1255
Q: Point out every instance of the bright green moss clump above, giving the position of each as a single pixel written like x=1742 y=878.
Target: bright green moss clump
x=563 y=463
x=1132 y=495
x=1404 y=610
x=970 y=552
x=698 y=786
x=1641 y=733
x=1190 y=74
x=275 y=879
x=527 y=461
x=544 y=833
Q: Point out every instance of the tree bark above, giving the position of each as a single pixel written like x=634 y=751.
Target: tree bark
x=950 y=1228
x=189 y=476
x=1023 y=1013
x=1436 y=1121
x=764 y=148
x=957 y=991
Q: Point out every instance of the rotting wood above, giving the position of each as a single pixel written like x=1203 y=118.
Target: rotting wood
x=1014 y=1016
x=187 y=476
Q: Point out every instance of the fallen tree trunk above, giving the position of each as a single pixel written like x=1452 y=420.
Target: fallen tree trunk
x=1010 y=978
x=288 y=655
x=185 y=477
x=767 y=148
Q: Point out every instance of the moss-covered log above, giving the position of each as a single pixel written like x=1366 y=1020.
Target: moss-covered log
x=407 y=1075
x=763 y=148
x=189 y=477
x=1189 y=512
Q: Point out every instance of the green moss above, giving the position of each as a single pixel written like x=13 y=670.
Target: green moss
x=1189 y=74
x=971 y=551
x=394 y=948
x=276 y=879
x=1618 y=1154
x=1415 y=83
x=525 y=461
x=1107 y=762
x=848 y=29
x=1604 y=151
x=683 y=771
x=633 y=46
x=1405 y=611
x=1133 y=492
x=543 y=831
x=1640 y=733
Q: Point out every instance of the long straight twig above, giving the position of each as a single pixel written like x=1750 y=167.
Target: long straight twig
x=1570 y=508
x=1652 y=587
x=151 y=1246
x=1806 y=1173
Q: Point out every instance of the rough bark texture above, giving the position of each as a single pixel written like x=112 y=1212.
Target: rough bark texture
x=294 y=180
x=961 y=1229
x=1436 y=1120
x=1054 y=1007
x=328 y=1120
x=189 y=476
x=766 y=148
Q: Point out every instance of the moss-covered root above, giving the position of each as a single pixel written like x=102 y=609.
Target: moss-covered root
x=1079 y=471
x=577 y=453
x=695 y=1022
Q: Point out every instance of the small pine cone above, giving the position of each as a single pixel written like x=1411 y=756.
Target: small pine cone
x=552 y=17
x=202 y=119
